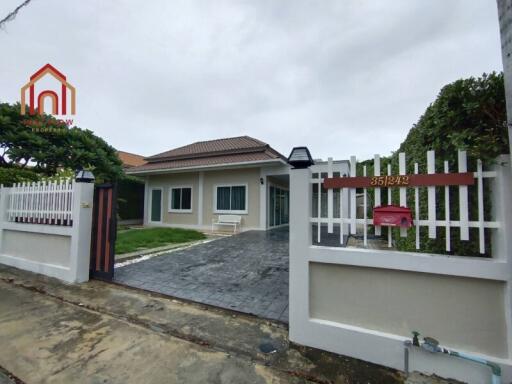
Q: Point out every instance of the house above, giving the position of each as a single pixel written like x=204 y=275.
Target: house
x=191 y=185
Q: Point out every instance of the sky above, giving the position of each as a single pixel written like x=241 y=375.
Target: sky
x=343 y=77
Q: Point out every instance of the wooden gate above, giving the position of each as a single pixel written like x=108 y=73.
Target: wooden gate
x=104 y=225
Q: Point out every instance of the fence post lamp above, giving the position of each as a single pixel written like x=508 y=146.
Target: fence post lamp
x=84 y=176
x=300 y=158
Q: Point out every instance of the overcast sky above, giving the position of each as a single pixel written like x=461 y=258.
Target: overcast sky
x=345 y=77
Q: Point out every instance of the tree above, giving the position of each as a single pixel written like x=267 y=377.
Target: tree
x=46 y=145
x=468 y=114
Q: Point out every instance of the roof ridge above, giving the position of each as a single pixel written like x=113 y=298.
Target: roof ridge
x=245 y=142
x=129 y=153
x=221 y=139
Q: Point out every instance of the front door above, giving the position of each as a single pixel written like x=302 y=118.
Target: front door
x=156 y=205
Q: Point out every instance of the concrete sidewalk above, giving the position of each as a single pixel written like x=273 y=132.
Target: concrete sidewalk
x=102 y=333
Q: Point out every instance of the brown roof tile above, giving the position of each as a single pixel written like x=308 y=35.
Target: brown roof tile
x=130 y=159
x=210 y=153
x=208 y=148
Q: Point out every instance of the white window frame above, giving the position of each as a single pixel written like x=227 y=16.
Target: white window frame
x=151 y=189
x=170 y=209
x=228 y=211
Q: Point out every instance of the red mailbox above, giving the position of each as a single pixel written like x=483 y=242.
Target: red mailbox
x=392 y=216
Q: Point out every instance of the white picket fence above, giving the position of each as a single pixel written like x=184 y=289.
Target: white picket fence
x=41 y=203
x=431 y=222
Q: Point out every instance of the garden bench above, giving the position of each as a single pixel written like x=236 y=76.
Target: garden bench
x=233 y=220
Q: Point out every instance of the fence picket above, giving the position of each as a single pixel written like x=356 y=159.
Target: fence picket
x=353 y=173
x=390 y=235
x=403 y=191
x=25 y=202
x=365 y=231
x=376 y=172
x=44 y=206
x=447 y=209
x=417 y=209
x=330 y=198
x=431 y=168
x=319 y=202
x=463 y=198
x=342 y=231
x=481 y=232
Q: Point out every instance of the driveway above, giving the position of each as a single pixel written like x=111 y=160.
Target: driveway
x=247 y=272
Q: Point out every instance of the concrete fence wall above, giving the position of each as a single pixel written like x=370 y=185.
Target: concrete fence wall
x=365 y=303
x=61 y=251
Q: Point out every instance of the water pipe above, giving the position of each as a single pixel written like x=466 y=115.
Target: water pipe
x=432 y=345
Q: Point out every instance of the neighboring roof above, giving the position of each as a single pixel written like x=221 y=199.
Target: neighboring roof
x=130 y=159
x=243 y=149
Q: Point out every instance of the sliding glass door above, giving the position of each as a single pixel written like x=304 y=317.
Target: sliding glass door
x=279 y=206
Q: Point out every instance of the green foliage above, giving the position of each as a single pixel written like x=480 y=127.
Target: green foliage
x=468 y=114
x=47 y=145
x=130 y=199
x=138 y=239
x=61 y=174
x=12 y=175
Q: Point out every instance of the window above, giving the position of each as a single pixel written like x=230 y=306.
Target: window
x=231 y=198
x=180 y=199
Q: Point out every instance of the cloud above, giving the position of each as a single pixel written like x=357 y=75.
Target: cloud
x=343 y=77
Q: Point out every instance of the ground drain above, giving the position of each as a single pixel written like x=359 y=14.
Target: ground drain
x=267 y=347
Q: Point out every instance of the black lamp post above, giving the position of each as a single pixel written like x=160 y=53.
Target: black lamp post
x=300 y=158
x=84 y=176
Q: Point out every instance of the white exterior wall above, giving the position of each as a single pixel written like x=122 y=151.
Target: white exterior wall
x=57 y=251
x=203 y=183
x=343 y=300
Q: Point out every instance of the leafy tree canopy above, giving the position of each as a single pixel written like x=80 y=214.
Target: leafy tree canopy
x=468 y=114
x=44 y=145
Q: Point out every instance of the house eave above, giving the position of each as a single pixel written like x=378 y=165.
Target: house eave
x=243 y=164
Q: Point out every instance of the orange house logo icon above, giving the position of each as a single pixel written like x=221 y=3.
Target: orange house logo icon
x=54 y=97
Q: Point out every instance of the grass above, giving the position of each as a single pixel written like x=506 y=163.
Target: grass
x=131 y=240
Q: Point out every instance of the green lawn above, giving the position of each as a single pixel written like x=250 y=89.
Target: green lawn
x=130 y=240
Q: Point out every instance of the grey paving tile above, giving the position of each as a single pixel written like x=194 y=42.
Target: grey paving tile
x=247 y=272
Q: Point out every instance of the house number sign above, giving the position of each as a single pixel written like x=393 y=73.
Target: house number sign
x=389 y=181
x=429 y=180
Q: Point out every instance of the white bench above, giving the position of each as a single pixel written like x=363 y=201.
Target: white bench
x=233 y=220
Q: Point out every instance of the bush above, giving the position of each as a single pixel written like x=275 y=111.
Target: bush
x=12 y=175
x=468 y=114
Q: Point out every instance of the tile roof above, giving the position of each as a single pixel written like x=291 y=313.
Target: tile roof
x=211 y=153
x=208 y=148
x=130 y=159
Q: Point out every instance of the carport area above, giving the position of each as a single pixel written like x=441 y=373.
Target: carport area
x=247 y=272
